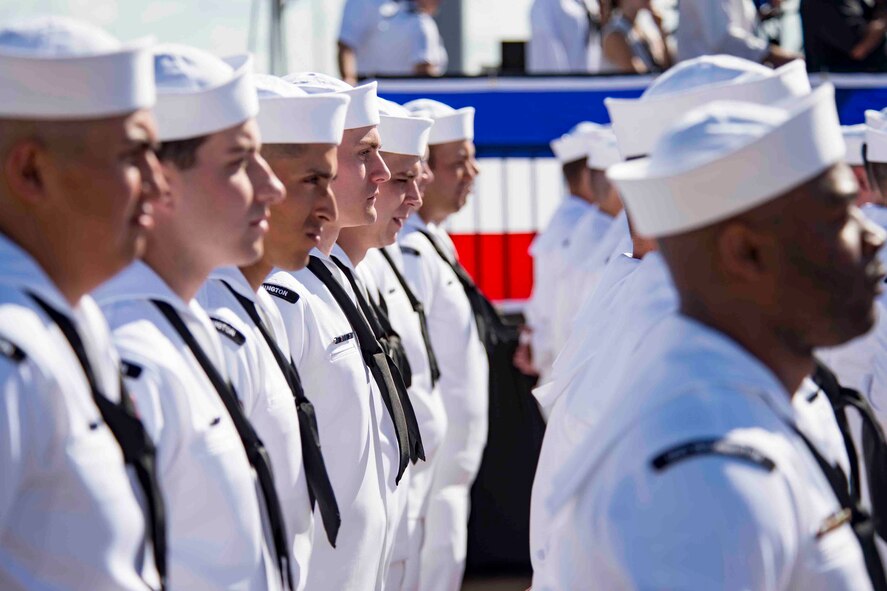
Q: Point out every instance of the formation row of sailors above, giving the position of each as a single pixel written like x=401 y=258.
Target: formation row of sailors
x=694 y=440
x=219 y=369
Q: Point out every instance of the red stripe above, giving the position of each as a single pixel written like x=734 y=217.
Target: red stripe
x=499 y=263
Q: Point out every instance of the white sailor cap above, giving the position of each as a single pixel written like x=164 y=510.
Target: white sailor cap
x=604 y=151
x=450 y=125
x=401 y=132
x=199 y=93
x=64 y=69
x=876 y=136
x=576 y=143
x=854 y=138
x=638 y=123
x=289 y=115
x=718 y=161
x=363 y=110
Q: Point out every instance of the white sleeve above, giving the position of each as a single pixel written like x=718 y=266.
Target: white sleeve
x=357 y=19
x=546 y=52
x=721 y=34
x=426 y=40
x=878 y=392
x=702 y=523
x=17 y=427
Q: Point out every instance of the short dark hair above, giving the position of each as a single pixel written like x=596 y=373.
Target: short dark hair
x=573 y=170
x=182 y=153
x=283 y=150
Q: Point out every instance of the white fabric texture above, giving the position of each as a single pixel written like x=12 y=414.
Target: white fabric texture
x=398 y=40
x=102 y=77
x=289 y=115
x=450 y=125
x=267 y=402
x=69 y=515
x=560 y=41
x=719 y=26
x=363 y=110
x=356 y=433
x=402 y=133
x=216 y=537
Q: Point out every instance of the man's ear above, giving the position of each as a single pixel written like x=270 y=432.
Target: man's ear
x=742 y=251
x=25 y=169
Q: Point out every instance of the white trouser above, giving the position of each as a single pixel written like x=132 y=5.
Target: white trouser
x=446 y=539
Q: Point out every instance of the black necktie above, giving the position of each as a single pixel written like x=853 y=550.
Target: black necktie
x=138 y=449
x=873 y=443
x=255 y=449
x=381 y=326
x=420 y=312
x=375 y=359
x=861 y=522
x=485 y=316
x=319 y=486
x=417 y=451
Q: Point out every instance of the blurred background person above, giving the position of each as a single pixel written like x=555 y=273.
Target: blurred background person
x=631 y=45
x=707 y=27
x=565 y=36
x=845 y=35
x=391 y=38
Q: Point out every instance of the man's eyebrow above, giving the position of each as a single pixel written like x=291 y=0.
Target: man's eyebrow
x=372 y=144
x=325 y=174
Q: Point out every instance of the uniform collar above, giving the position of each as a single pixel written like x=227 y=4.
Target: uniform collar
x=339 y=253
x=415 y=222
x=141 y=282
x=234 y=277
x=20 y=269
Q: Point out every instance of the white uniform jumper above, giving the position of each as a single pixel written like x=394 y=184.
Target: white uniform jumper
x=218 y=533
x=69 y=516
x=548 y=250
x=266 y=398
x=356 y=433
x=705 y=458
x=427 y=403
x=464 y=386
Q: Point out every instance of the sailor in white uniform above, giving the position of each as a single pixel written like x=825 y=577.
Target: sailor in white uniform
x=361 y=439
x=548 y=249
x=590 y=244
x=81 y=157
x=565 y=37
x=634 y=294
x=405 y=140
x=390 y=37
x=225 y=524
x=701 y=440
x=464 y=382
x=299 y=138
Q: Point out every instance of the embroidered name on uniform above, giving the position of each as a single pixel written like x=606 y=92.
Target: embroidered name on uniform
x=229 y=331
x=343 y=338
x=11 y=350
x=712 y=447
x=130 y=370
x=281 y=292
x=410 y=251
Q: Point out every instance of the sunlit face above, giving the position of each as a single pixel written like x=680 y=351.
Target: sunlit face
x=224 y=199
x=297 y=222
x=360 y=172
x=455 y=168
x=101 y=185
x=825 y=270
x=398 y=198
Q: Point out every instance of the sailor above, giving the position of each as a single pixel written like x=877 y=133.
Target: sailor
x=391 y=38
x=299 y=138
x=535 y=355
x=430 y=266
x=360 y=422
x=225 y=524
x=565 y=36
x=591 y=242
x=743 y=463
x=79 y=176
x=635 y=290
x=854 y=138
x=404 y=141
